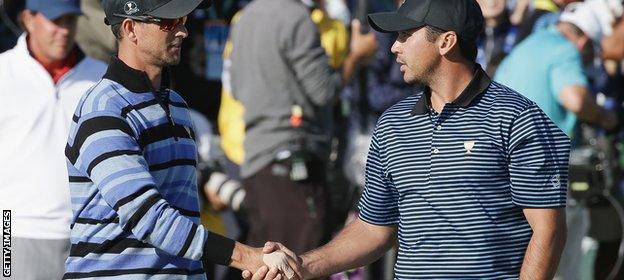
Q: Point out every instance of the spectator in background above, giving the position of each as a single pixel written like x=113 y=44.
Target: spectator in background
x=42 y=79
x=548 y=68
x=93 y=36
x=604 y=226
x=544 y=14
x=383 y=87
x=613 y=44
x=282 y=77
x=498 y=37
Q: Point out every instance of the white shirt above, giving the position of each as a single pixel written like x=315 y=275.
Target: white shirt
x=35 y=115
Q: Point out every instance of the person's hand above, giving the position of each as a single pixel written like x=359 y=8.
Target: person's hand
x=287 y=258
x=362 y=46
x=264 y=273
x=213 y=198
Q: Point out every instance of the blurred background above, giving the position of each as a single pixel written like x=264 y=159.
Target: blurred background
x=522 y=46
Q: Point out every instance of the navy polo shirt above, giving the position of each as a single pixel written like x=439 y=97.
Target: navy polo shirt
x=455 y=183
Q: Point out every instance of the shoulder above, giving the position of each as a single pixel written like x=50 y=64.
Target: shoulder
x=276 y=9
x=9 y=57
x=503 y=97
x=105 y=95
x=6 y=55
x=519 y=109
x=177 y=98
x=400 y=111
x=91 y=68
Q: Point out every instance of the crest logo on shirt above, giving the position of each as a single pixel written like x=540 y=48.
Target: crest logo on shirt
x=468 y=145
x=555 y=181
x=131 y=8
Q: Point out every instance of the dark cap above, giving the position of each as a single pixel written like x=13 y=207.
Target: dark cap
x=462 y=16
x=53 y=9
x=117 y=10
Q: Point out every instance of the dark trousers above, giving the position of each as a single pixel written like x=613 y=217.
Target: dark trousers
x=292 y=213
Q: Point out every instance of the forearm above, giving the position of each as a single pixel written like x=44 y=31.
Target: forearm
x=348 y=68
x=355 y=246
x=581 y=102
x=518 y=12
x=246 y=258
x=542 y=255
x=594 y=114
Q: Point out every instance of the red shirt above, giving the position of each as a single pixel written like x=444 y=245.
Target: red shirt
x=58 y=68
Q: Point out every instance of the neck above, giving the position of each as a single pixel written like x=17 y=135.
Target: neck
x=133 y=58
x=445 y=89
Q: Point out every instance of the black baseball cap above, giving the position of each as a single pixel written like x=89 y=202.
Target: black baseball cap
x=117 y=10
x=462 y=16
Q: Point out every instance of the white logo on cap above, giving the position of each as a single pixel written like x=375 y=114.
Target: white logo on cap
x=131 y=8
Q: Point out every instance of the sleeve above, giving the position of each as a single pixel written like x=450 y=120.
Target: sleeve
x=309 y=62
x=380 y=200
x=105 y=148
x=538 y=161
x=568 y=71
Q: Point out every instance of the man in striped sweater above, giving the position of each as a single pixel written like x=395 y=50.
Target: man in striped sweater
x=469 y=176
x=132 y=156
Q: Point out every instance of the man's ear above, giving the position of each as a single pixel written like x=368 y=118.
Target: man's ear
x=27 y=18
x=582 y=41
x=128 y=29
x=446 y=42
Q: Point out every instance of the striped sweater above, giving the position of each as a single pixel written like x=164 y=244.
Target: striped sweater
x=131 y=158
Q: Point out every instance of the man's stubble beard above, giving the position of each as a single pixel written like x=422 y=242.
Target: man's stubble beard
x=427 y=76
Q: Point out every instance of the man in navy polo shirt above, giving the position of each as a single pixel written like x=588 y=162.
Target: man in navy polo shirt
x=470 y=176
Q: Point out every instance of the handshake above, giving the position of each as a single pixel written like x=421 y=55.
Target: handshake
x=280 y=263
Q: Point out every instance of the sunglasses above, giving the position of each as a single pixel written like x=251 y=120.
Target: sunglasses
x=166 y=24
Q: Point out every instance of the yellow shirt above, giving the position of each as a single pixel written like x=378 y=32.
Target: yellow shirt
x=547 y=5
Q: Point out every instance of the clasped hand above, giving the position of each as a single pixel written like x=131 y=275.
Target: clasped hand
x=280 y=264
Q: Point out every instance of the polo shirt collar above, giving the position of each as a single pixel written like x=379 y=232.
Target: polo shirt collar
x=479 y=83
x=133 y=80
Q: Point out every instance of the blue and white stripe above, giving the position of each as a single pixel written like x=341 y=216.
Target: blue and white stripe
x=459 y=207
x=133 y=188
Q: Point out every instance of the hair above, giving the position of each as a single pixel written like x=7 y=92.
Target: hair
x=116 y=29
x=467 y=49
x=572 y=28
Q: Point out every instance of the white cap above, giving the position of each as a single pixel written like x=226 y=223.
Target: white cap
x=594 y=17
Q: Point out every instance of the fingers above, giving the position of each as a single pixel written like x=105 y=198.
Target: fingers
x=279 y=260
x=247 y=275
x=356 y=26
x=271 y=247
x=273 y=274
x=260 y=274
x=286 y=260
x=263 y=274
